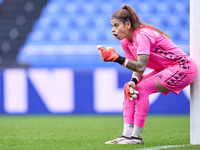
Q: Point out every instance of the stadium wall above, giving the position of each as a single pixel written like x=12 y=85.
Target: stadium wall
x=70 y=91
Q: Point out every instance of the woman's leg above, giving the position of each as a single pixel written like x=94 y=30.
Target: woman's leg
x=141 y=105
x=128 y=113
x=129 y=108
x=145 y=88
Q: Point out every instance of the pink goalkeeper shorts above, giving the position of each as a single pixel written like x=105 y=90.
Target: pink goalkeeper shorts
x=177 y=76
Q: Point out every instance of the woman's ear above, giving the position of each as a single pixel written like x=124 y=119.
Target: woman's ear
x=128 y=25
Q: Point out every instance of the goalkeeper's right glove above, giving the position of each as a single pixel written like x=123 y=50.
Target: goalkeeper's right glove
x=108 y=54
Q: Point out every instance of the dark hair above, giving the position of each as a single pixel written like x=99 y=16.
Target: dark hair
x=129 y=14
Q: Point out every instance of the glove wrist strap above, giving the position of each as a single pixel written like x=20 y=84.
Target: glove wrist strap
x=121 y=60
x=134 y=80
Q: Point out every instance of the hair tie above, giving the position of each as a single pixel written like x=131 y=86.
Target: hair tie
x=124 y=7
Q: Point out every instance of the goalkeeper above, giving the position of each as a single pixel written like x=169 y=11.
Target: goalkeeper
x=145 y=46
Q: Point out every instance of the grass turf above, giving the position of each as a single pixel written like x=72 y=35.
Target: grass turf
x=90 y=133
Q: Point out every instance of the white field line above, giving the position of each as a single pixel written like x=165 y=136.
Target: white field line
x=162 y=147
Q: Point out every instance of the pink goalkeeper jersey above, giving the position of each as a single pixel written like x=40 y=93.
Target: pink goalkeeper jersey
x=162 y=51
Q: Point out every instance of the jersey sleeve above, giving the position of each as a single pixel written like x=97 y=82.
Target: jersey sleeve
x=143 y=43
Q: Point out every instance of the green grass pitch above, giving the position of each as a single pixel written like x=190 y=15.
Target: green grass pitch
x=69 y=132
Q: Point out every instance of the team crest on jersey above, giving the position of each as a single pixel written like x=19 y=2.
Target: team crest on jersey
x=134 y=45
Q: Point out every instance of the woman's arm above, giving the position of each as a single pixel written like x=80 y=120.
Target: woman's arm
x=138 y=65
x=137 y=76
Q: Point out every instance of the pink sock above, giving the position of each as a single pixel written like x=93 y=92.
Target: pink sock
x=145 y=88
x=128 y=109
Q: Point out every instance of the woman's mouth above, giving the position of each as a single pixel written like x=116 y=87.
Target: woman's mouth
x=115 y=35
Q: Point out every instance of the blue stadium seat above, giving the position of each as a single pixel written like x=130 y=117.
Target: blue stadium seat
x=87 y=22
x=38 y=37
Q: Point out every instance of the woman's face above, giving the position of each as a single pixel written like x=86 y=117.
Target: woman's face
x=119 y=29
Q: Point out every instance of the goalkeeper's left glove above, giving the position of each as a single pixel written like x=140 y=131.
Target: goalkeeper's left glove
x=108 y=54
x=130 y=90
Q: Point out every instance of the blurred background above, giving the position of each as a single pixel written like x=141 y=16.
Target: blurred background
x=49 y=63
